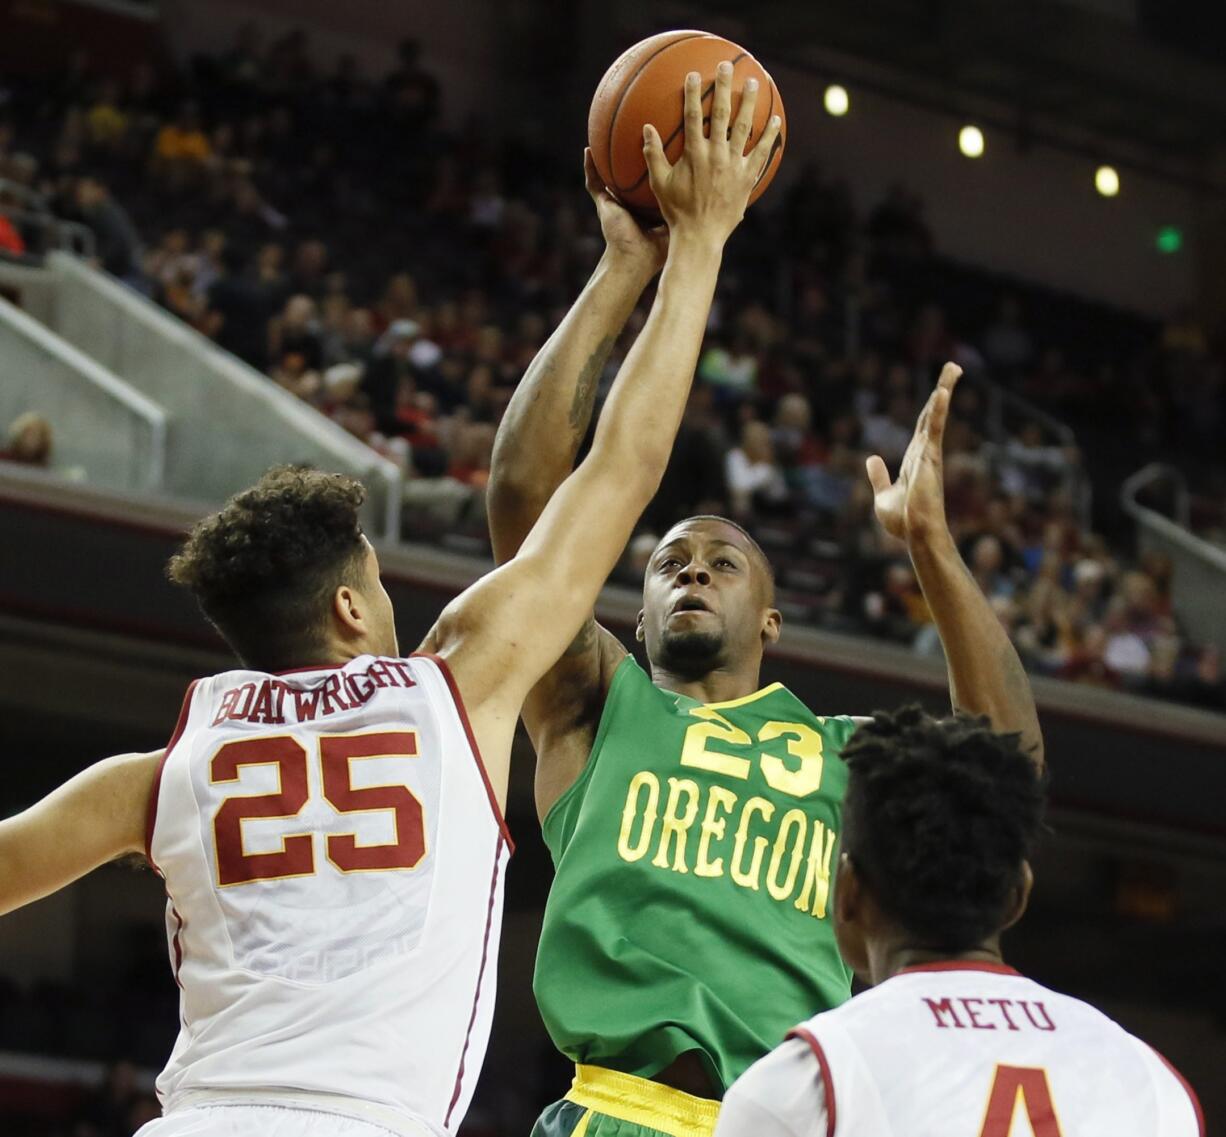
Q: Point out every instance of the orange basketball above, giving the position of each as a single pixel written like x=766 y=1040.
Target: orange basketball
x=646 y=84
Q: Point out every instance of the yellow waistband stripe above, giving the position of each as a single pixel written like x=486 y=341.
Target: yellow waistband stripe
x=643 y=1102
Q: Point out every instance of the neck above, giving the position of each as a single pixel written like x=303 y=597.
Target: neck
x=887 y=960
x=718 y=685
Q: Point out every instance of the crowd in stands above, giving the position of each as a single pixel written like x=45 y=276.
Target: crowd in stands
x=324 y=227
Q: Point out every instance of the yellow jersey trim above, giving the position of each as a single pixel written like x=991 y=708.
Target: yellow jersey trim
x=745 y=698
x=643 y=1102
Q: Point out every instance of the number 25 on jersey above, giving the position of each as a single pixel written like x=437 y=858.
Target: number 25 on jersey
x=296 y=857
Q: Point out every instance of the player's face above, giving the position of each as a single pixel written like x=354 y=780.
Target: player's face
x=706 y=600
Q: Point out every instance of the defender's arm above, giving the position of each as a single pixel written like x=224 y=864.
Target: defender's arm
x=91 y=819
x=503 y=634
x=535 y=450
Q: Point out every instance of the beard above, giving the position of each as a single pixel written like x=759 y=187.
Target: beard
x=691 y=654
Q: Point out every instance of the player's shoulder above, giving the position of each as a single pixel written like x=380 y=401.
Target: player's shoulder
x=1179 y=1109
x=783 y=1094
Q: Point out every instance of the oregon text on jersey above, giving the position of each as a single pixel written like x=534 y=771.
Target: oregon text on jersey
x=711 y=831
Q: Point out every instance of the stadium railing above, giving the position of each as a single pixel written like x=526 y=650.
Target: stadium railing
x=103 y=427
x=1199 y=583
x=229 y=422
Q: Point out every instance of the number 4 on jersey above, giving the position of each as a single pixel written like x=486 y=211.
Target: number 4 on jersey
x=1020 y=1090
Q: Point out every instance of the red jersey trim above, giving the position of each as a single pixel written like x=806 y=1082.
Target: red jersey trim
x=1200 y=1113
x=152 y=815
x=457 y=1089
x=961 y=965
x=458 y=699
x=827 y=1080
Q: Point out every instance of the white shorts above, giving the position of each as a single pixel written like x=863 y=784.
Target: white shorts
x=258 y=1121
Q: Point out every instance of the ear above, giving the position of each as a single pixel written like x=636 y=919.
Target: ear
x=847 y=891
x=639 y=634
x=350 y=611
x=1020 y=897
x=772 y=625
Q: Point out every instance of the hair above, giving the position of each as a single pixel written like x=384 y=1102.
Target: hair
x=938 y=819
x=265 y=567
x=763 y=561
x=23 y=422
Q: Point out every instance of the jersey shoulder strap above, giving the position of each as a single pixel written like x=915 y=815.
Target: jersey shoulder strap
x=559 y=823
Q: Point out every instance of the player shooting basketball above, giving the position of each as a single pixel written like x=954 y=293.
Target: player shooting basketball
x=322 y=817
x=693 y=815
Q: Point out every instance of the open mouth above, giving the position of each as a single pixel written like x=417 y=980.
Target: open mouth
x=690 y=604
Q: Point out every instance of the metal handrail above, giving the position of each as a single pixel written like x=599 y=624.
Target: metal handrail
x=111 y=385
x=1149 y=475
x=302 y=417
x=31 y=197
x=67 y=236
x=998 y=399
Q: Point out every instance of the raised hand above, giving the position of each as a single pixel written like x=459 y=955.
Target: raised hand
x=624 y=236
x=706 y=191
x=912 y=507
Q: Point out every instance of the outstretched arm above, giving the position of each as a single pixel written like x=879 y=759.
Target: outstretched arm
x=91 y=819
x=535 y=450
x=548 y=416
x=503 y=634
x=986 y=676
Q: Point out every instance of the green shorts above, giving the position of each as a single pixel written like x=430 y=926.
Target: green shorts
x=606 y=1103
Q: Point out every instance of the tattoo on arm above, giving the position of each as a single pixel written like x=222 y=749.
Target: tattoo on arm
x=585 y=389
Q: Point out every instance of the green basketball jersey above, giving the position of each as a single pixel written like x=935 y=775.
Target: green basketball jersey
x=692 y=904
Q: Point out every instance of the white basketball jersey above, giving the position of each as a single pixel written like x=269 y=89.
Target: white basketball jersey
x=334 y=861
x=961 y=1050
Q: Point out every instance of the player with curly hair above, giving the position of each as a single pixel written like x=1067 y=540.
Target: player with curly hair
x=328 y=815
x=940 y=822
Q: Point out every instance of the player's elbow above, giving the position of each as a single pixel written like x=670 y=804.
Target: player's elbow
x=633 y=464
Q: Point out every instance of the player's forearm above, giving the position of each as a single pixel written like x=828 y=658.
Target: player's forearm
x=642 y=414
x=986 y=676
x=550 y=411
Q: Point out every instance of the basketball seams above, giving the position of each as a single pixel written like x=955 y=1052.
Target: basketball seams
x=639 y=88
x=621 y=98
x=770 y=158
x=681 y=125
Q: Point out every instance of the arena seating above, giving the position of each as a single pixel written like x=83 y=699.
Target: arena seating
x=401 y=290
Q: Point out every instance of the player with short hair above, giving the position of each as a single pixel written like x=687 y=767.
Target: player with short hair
x=692 y=814
x=940 y=821
x=332 y=842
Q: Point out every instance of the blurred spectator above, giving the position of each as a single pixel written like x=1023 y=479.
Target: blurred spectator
x=118 y=242
x=1031 y=469
x=29 y=441
x=755 y=479
x=411 y=336
x=732 y=369
x=897 y=610
x=240 y=308
x=1006 y=343
x=297 y=331
x=11 y=240
x=182 y=142
x=388 y=369
x=889 y=434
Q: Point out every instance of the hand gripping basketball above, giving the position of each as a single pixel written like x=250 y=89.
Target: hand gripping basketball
x=705 y=193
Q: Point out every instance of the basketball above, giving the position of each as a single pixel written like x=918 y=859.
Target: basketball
x=646 y=84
